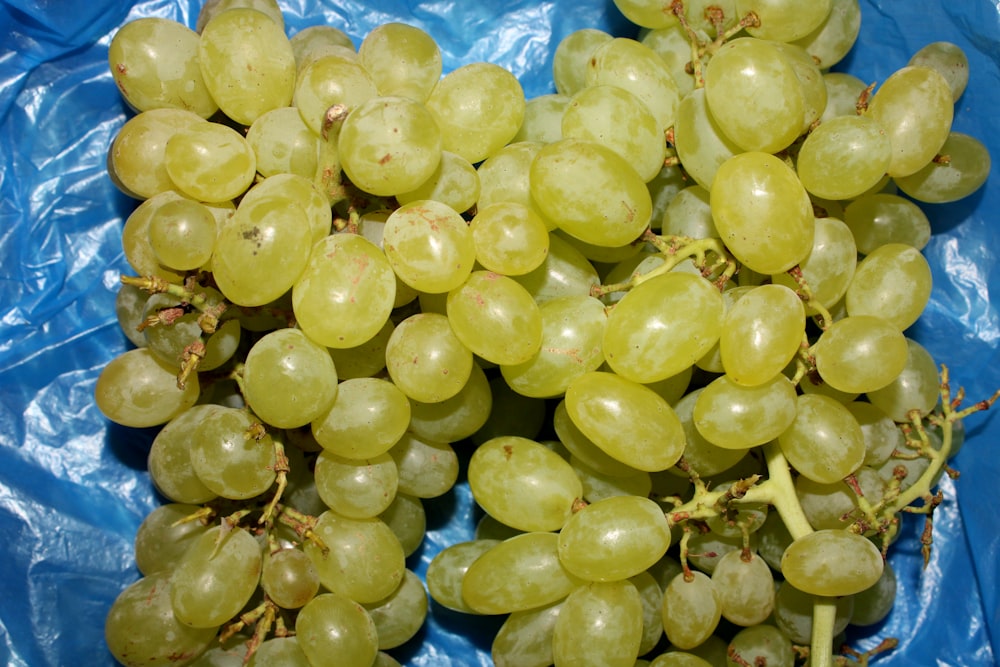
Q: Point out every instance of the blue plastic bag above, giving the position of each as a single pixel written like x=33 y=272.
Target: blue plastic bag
x=73 y=488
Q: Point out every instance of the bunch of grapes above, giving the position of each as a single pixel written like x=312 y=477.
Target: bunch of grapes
x=664 y=309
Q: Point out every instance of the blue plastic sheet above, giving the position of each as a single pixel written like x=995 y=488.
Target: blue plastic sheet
x=73 y=489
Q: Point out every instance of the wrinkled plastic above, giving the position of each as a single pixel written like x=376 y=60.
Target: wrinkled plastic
x=73 y=489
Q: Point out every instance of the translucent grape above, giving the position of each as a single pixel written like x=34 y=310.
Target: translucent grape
x=832 y=562
x=761 y=333
x=569 y=61
x=356 y=488
x=164 y=535
x=289 y=578
x=691 y=609
x=326 y=82
x=825 y=442
x=429 y=246
x=829 y=266
x=542 y=119
x=229 y=456
x=525 y=638
x=407 y=519
x=700 y=142
x=284 y=144
x=169 y=460
x=916 y=388
x=893 y=282
x=793 y=613
x=454 y=418
x=400 y=616
x=136 y=157
x=941 y=182
x=335 y=630
x=860 y=353
x=745 y=588
x=564 y=272
x=427 y=468
x=454 y=183
x=761 y=645
x=881 y=218
x=401 y=59
x=446 y=572
x=949 y=60
x=137 y=389
x=367 y=418
x=509 y=238
x=784 y=20
x=183 y=234
x=844 y=157
x=831 y=40
x=599 y=622
x=734 y=416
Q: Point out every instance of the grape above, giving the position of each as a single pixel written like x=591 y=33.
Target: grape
x=844 y=157
x=171 y=342
x=317 y=40
x=284 y=144
x=880 y=432
x=542 y=118
x=733 y=416
x=455 y=183
x=289 y=578
x=672 y=45
x=368 y=416
x=447 y=569
x=916 y=389
x=164 y=535
x=893 y=282
x=509 y=238
x=842 y=93
x=366 y=359
x=701 y=143
x=793 y=612
x=399 y=616
x=279 y=652
x=965 y=171
x=406 y=518
x=137 y=389
x=675 y=658
x=829 y=42
x=860 y=353
x=691 y=609
x=832 y=562
x=811 y=78
x=429 y=246
x=525 y=638
x=503 y=177
x=829 y=266
x=136 y=157
x=882 y=218
x=873 y=604
x=703 y=456
x=824 y=442
x=949 y=60
x=784 y=20
x=745 y=588
x=564 y=272
x=598 y=485
x=833 y=505
x=599 y=623
x=572 y=53
x=580 y=446
x=182 y=235
x=210 y=162
x=169 y=459
x=761 y=645
x=427 y=468
x=228 y=457
x=454 y=418
x=402 y=60
x=213 y=7
x=356 y=488
x=327 y=81
x=426 y=360
x=335 y=630
x=761 y=333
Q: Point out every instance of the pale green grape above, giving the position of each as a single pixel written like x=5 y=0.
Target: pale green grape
x=300 y=191
x=832 y=562
x=278 y=652
x=455 y=183
x=210 y=161
x=701 y=144
x=169 y=460
x=689 y=214
x=365 y=360
x=881 y=218
x=893 y=282
x=673 y=45
x=496 y=318
x=646 y=13
x=525 y=638
x=182 y=234
x=164 y=535
x=844 y=157
x=860 y=353
x=824 y=442
x=454 y=418
x=406 y=518
x=811 y=78
x=829 y=266
x=326 y=82
x=793 y=613
x=675 y=658
x=691 y=609
x=138 y=389
x=569 y=61
x=542 y=118
x=504 y=176
x=762 y=212
x=745 y=587
x=734 y=416
x=130 y=303
x=584 y=449
x=289 y=578
x=834 y=504
x=427 y=468
x=599 y=623
x=426 y=360
x=509 y=238
x=247 y=63
x=228 y=457
x=949 y=60
x=598 y=485
x=772 y=540
x=171 y=342
x=400 y=615
x=965 y=171
x=705 y=550
x=356 y=488
x=711 y=361
x=211 y=8
x=784 y=20
x=565 y=271
x=402 y=60
x=762 y=644
x=367 y=418
x=761 y=333
x=511 y=413
x=916 y=388
x=136 y=156
x=317 y=40
x=842 y=93
x=873 y=604
x=346 y=292
x=447 y=569
x=882 y=437
x=334 y=630
x=704 y=457
x=429 y=246
x=832 y=39
x=488 y=528
x=284 y=144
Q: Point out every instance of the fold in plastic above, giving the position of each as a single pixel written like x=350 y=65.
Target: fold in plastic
x=73 y=489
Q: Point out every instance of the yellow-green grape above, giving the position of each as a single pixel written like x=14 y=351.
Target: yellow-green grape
x=333 y=629
x=288 y=380
x=691 y=609
x=832 y=562
x=569 y=61
x=496 y=318
x=627 y=420
x=824 y=442
x=564 y=272
x=154 y=63
x=689 y=213
x=427 y=468
x=701 y=144
x=745 y=517
x=171 y=342
x=522 y=572
x=317 y=40
x=227 y=455
x=835 y=504
x=673 y=45
x=671 y=389
x=210 y=162
x=762 y=212
x=511 y=413
x=367 y=418
x=509 y=238
x=389 y=144
x=772 y=539
x=590 y=192
x=542 y=118
x=164 y=535
x=426 y=360
x=675 y=658
x=356 y=488
x=598 y=485
x=702 y=456
x=215 y=578
x=525 y=638
x=137 y=154
x=762 y=644
x=273 y=652
x=141 y=629
x=873 y=604
x=346 y=292
x=829 y=266
x=583 y=448
x=328 y=81
x=662 y=326
x=754 y=95
x=915 y=107
x=842 y=93
x=365 y=360
x=247 y=63
x=745 y=587
x=289 y=578
x=860 y=353
x=949 y=60
x=761 y=333
x=651 y=598
x=446 y=572
x=784 y=20
x=882 y=437
x=916 y=389
x=629 y=64
x=945 y=181
x=734 y=416
x=407 y=519
x=299 y=190
x=363 y=559
x=706 y=549
x=881 y=218
x=488 y=528
x=504 y=176
x=832 y=39
x=599 y=623
x=169 y=460
x=182 y=234
x=455 y=183
x=478 y=107
x=793 y=612
x=523 y=484
x=283 y=143
x=893 y=282
x=399 y=616
x=213 y=7
x=572 y=334
x=646 y=13
x=844 y=157
x=624 y=271
x=138 y=389
x=614 y=539
x=402 y=60
x=429 y=246
x=130 y=302
x=616 y=118
x=454 y=418
x=809 y=75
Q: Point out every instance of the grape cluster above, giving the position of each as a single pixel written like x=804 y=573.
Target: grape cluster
x=664 y=308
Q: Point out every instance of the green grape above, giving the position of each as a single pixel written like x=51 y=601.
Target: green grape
x=614 y=539
x=356 y=488
x=832 y=39
x=754 y=95
x=363 y=559
x=590 y=192
x=511 y=413
x=565 y=271
x=171 y=342
x=844 y=157
x=882 y=437
x=772 y=540
x=824 y=442
x=525 y=638
x=873 y=604
x=429 y=246
x=881 y=218
x=834 y=504
x=478 y=107
x=455 y=418
x=860 y=353
x=402 y=60
x=704 y=457
x=247 y=63
x=504 y=176
x=333 y=630
x=141 y=629
x=744 y=517
x=509 y=238
x=613 y=116
x=137 y=389
x=893 y=282
x=130 y=304
x=210 y=161
x=629 y=64
x=598 y=485
x=182 y=234
x=346 y=292
x=365 y=360
x=784 y=20
x=368 y=417
x=646 y=13
x=733 y=416
x=671 y=389
x=691 y=609
x=164 y=535
x=278 y=652
x=832 y=562
x=215 y=578
x=583 y=448
x=426 y=360
x=488 y=528
x=761 y=333
x=793 y=613
x=675 y=658
x=447 y=569
x=842 y=92
x=496 y=318
x=211 y=8
x=569 y=61
x=427 y=468
x=542 y=119
x=711 y=361
x=651 y=598
x=137 y=155
x=829 y=266
x=406 y=518
x=383 y=659
x=762 y=212
x=689 y=214
x=283 y=143
x=389 y=144
x=627 y=420
x=762 y=644
x=673 y=45
x=599 y=623
x=523 y=484
x=745 y=588
x=917 y=387
x=454 y=183
x=949 y=60
x=169 y=460
x=399 y=616
x=289 y=578
x=916 y=108
x=329 y=81
x=318 y=40
x=705 y=550
x=809 y=75
x=522 y=572
x=701 y=144
x=941 y=182
x=229 y=457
